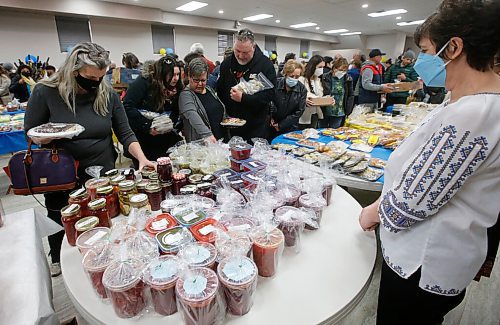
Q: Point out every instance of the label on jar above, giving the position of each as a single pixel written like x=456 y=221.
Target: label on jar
x=195 y=285
x=73 y=207
x=255 y=178
x=163 y=269
x=172 y=239
x=78 y=192
x=206 y=230
x=237 y=182
x=239 y=269
x=239 y=228
x=97 y=202
x=159 y=225
x=97 y=236
x=87 y=222
x=253 y=164
x=199 y=254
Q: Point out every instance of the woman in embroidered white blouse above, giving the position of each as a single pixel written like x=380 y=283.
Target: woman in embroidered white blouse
x=442 y=185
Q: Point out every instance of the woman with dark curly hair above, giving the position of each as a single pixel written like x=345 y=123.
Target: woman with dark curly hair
x=156 y=90
x=442 y=185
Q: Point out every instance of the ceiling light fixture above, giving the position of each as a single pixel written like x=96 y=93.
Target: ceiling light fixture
x=398 y=17
x=221 y=12
x=387 y=13
x=349 y=34
x=317 y=28
x=335 y=31
x=258 y=17
x=303 y=25
x=409 y=23
x=277 y=21
x=191 y=6
x=364 y=6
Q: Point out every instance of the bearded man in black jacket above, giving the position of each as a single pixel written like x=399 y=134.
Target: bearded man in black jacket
x=247 y=61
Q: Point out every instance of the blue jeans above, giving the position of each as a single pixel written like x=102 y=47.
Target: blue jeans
x=333 y=122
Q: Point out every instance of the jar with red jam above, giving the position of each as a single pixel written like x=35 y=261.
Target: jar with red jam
x=238 y=277
x=164 y=169
x=92 y=184
x=197 y=297
x=205 y=190
x=70 y=214
x=154 y=195
x=129 y=174
x=317 y=203
x=95 y=262
x=161 y=276
x=146 y=171
x=199 y=254
x=125 y=288
x=267 y=247
x=85 y=224
x=112 y=202
x=98 y=208
x=291 y=223
x=127 y=189
x=179 y=180
x=82 y=198
x=166 y=189
x=240 y=151
x=154 y=178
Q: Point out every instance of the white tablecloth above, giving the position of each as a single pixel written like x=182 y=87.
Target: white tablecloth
x=26 y=286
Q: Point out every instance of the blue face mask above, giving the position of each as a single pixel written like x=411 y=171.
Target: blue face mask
x=291 y=82
x=432 y=69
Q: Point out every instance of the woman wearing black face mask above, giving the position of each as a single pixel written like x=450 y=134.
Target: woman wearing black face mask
x=21 y=84
x=156 y=90
x=77 y=94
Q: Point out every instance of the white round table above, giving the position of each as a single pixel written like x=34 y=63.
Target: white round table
x=319 y=285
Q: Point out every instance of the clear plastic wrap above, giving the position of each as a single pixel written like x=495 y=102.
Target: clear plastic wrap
x=291 y=223
x=238 y=277
x=170 y=241
x=233 y=243
x=125 y=288
x=199 y=254
x=95 y=262
x=88 y=239
x=198 y=297
x=259 y=83
x=142 y=246
x=314 y=202
x=207 y=230
x=160 y=223
x=268 y=243
x=121 y=230
x=161 y=276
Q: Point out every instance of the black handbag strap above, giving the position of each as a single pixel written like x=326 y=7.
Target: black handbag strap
x=26 y=164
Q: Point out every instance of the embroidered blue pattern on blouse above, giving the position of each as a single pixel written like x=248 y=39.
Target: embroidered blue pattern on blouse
x=432 y=178
x=396 y=268
x=437 y=289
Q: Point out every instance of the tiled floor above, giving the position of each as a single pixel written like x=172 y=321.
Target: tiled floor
x=480 y=306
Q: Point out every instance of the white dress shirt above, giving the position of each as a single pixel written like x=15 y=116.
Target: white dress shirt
x=441 y=193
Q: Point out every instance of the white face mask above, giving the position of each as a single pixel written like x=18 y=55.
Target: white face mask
x=318 y=72
x=340 y=74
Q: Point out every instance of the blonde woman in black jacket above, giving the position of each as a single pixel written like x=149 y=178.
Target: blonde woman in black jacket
x=199 y=107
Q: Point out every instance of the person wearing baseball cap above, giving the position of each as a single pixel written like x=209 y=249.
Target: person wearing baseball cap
x=401 y=72
x=371 y=80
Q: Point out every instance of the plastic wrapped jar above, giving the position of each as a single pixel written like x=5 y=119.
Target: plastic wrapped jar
x=237 y=165
x=240 y=151
x=266 y=250
x=197 y=296
x=154 y=196
x=226 y=172
x=89 y=238
x=92 y=184
x=291 y=223
x=70 y=214
x=166 y=189
x=82 y=198
x=317 y=204
x=164 y=169
x=112 y=202
x=161 y=276
x=124 y=287
x=206 y=230
x=98 y=208
x=233 y=243
x=127 y=189
x=239 y=224
x=171 y=240
x=95 y=262
x=85 y=224
x=178 y=181
x=238 y=277
x=141 y=185
x=160 y=223
x=253 y=166
x=328 y=186
x=290 y=194
x=199 y=255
